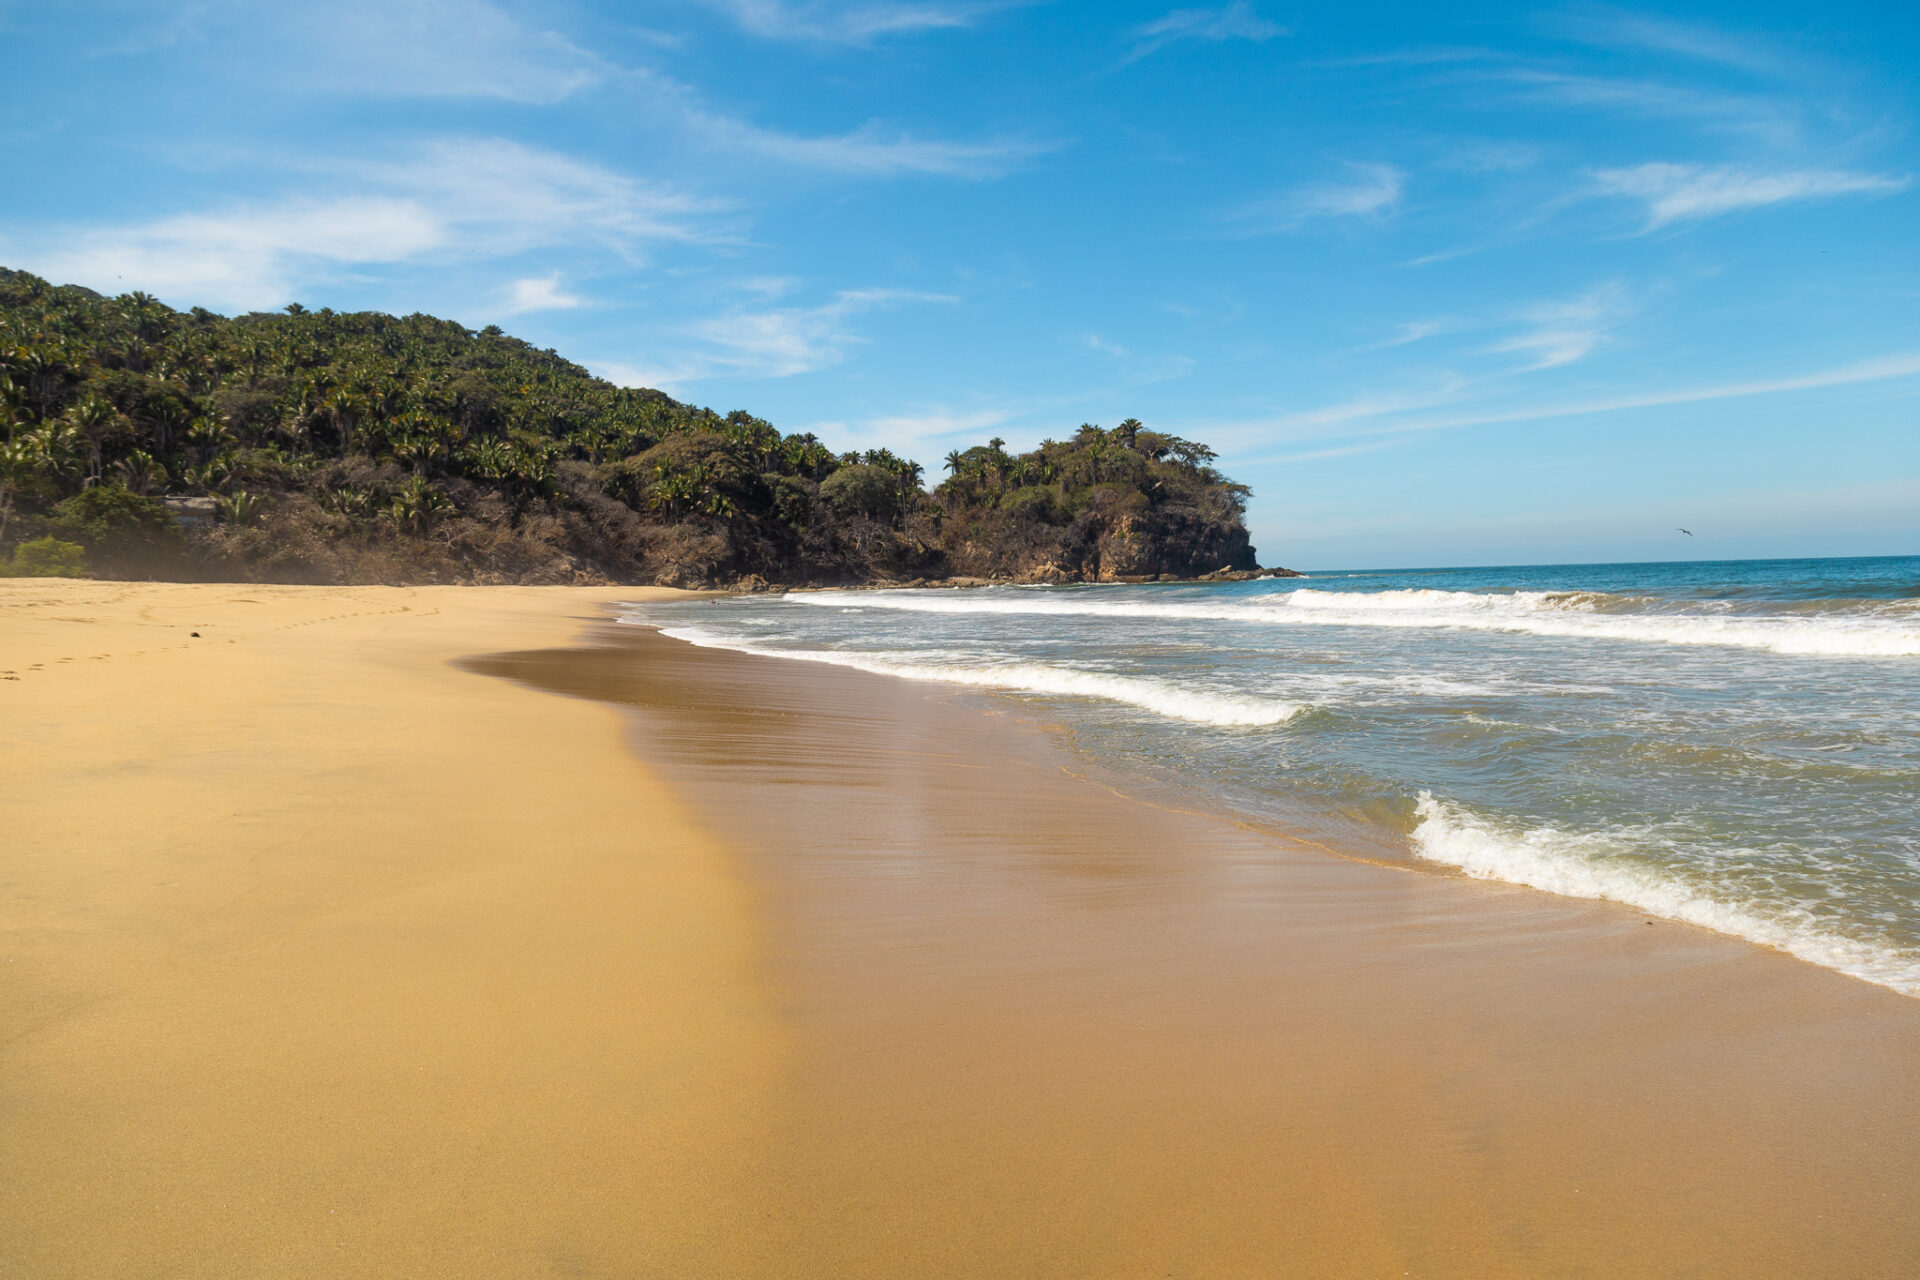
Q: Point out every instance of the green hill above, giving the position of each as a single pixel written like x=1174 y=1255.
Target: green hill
x=311 y=446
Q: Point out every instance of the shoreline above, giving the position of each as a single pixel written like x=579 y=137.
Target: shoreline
x=326 y=954
x=1011 y=981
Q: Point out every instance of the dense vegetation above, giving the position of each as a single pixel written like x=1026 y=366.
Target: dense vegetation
x=314 y=446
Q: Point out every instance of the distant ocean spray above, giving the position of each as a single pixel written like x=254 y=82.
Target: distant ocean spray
x=1735 y=745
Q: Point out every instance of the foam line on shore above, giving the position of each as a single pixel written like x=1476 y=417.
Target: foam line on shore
x=1156 y=696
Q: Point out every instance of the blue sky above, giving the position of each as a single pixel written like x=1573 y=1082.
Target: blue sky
x=1508 y=284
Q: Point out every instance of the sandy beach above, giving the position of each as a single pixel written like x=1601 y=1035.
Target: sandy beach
x=385 y=931
x=323 y=957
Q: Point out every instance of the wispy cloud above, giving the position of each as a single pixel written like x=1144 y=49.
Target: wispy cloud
x=411 y=49
x=1416 y=331
x=242 y=256
x=1372 y=405
x=1136 y=368
x=1371 y=192
x=1612 y=28
x=1235 y=21
x=1904 y=364
x=484 y=198
x=907 y=429
x=1777 y=119
x=1388 y=415
x=872 y=150
x=1560 y=333
x=510 y=196
x=1484 y=157
x=869 y=150
x=854 y=24
x=540 y=293
x=1337 y=451
x=1688 y=193
x=768 y=287
x=792 y=340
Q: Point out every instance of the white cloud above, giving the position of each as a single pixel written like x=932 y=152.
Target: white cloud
x=660 y=377
x=1374 y=404
x=1372 y=192
x=507 y=196
x=1617 y=29
x=1904 y=364
x=459 y=197
x=769 y=287
x=1141 y=369
x=540 y=293
x=906 y=430
x=1780 y=120
x=1560 y=333
x=1235 y=21
x=1481 y=156
x=1375 y=189
x=793 y=340
x=1337 y=451
x=842 y=23
x=246 y=257
x=404 y=49
x=1384 y=415
x=1416 y=331
x=869 y=150
x=1688 y=192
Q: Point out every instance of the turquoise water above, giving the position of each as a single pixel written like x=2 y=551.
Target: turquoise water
x=1732 y=744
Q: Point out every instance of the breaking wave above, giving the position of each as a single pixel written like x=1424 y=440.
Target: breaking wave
x=1601 y=865
x=1160 y=697
x=1849 y=630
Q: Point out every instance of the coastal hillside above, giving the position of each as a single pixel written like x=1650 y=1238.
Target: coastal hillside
x=314 y=446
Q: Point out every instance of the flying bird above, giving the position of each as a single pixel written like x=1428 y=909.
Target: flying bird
x=1688 y=532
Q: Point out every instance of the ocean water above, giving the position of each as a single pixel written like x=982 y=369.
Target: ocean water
x=1736 y=744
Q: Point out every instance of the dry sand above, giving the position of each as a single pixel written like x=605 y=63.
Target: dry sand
x=320 y=957
x=326 y=955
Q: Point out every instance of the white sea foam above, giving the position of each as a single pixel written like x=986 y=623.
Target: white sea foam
x=1160 y=697
x=1599 y=866
x=1869 y=632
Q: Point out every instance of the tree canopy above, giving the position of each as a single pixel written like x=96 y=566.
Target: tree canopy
x=362 y=447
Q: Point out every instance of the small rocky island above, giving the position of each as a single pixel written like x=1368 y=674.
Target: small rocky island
x=312 y=446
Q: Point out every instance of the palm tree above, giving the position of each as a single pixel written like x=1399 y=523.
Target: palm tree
x=17 y=466
x=419 y=450
x=238 y=507
x=344 y=407
x=58 y=448
x=93 y=417
x=910 y=473
x=418 y=504
x=15 y=407
x=140 y=472
x=207 y=435
x=490 y=459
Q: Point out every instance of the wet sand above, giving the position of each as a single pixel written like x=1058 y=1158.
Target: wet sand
x=325 y=954
x=1039 y=1028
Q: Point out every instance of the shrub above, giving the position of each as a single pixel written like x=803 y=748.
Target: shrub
x=862 y=490
x=46 y=558
x=116 y=525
